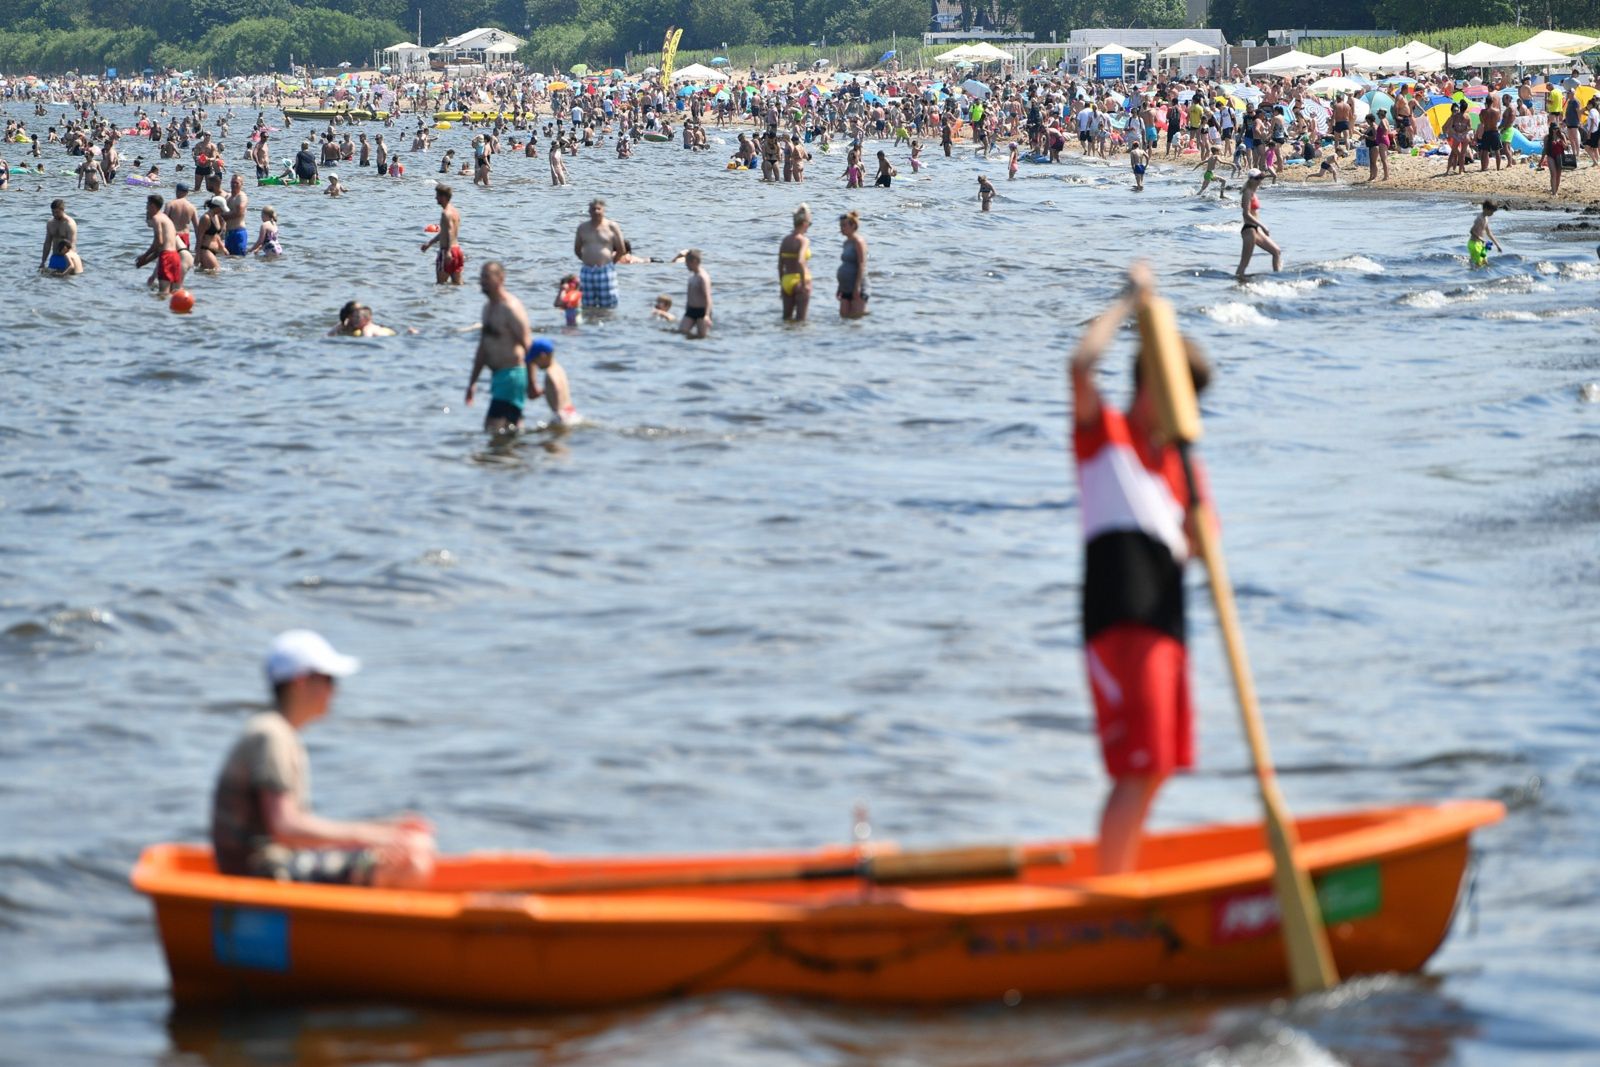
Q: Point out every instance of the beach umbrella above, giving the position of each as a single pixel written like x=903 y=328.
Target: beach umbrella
x=558 y=86
x=890 y=54
x=1330 y=86
x=719 y=61
x=1569 y=44
x=686 y=90
x=1379 y=101
x=1528 y=55
x=976 y=88
x=1439 y=114
x=1584 y=93
x=580 y=69
x=1479 y=54
x=650 y=70
x=1397 y=79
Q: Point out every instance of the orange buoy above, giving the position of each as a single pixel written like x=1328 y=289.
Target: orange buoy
x=182 y=302
x=432 y=227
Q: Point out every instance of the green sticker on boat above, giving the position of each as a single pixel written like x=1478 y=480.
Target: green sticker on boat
x=1350 y=894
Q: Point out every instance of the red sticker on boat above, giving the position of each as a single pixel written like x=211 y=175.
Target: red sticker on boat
x=1243 y=916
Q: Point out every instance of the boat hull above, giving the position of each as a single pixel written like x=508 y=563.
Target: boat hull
x=1202 y=918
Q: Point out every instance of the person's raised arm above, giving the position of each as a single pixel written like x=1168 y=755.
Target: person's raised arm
x=1085 y=397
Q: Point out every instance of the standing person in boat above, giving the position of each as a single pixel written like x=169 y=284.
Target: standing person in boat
x=450 y=260
x=1136 y=541
x=262 y=824
x=598 y=243
x=61 y=227
x=852 y=292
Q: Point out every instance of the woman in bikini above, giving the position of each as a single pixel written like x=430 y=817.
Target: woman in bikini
x=1252 y=232
x=794 y=275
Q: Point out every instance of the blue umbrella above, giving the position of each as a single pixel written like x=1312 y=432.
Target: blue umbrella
x=686 y=90
x=1379 y=101
x=719 y=61
x=890 y=54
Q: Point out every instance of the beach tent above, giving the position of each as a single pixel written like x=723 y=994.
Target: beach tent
x=955 y=55
x=1186 y=49
x=1116 y=50
x=1568 y=44
x=984 y=52
x=1347 y=59
x=1481 y=54
x=1293 y=61
x=1416 y=55
x=698 y=72
x=1529 y=55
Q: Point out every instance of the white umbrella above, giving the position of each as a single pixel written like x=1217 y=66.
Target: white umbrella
x=1416 y=55
x=955 y=55
x=1529 y=55
x=1569 y=44
x=698 y=72
x=976 y=88
x=1347 y=59
x=984 y=52
x=1117 y=50
x=1187 y=48
x=1329 y=86
x=651 y=70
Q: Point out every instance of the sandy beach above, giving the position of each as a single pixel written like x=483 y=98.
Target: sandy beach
x=1425 y=174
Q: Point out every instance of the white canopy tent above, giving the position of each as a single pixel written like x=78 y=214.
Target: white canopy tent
x=1347 y=59
x=698 y=72
x=1481 y=54
x=1117 y=50
x=1530 y=55
x=1186 y=49
x=984 y=52
x=1416 y=55
x=404 y=56
x=1293 y=61
x=1568 y=44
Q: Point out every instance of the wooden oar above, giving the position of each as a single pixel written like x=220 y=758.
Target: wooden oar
x=1166 y=373
x=975 y=863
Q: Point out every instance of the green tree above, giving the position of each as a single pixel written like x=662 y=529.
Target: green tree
x=708 y=23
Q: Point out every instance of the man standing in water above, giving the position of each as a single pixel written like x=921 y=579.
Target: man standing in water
x=184 y=217
x=61 y=227
x=262 y=825
x=450 y=260
x=163 y=248
x=599 y=243
x=235 y=234
x=1133 y=499
x=503 y=348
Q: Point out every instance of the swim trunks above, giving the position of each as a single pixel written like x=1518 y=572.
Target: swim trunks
x=1477 y=252
x=237 y=242
x=57 y=262
x=183 y=238
x=694 y=314
x=599 y=286
x=1143 y=711
x=451 y=260
x=170 y=267
x=508 y=387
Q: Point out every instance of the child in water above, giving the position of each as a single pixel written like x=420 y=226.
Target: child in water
x=570 y=297
x=663 y=309
x=1011 y=164
x=916 y=156
x=267 y=236
x=557 y=393
x=1481 y=237
x=985 y=192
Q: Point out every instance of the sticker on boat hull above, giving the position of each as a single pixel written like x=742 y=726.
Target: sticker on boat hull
x=1343 y=896
x=257 y=938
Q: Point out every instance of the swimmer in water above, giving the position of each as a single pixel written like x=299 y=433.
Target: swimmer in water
x=985 y=193
x=697 y=304
x=503 y=347
x=64 y=260
x=450 y=260
x=1139 y=160
x=1481 y=237
x=663 y=309
x=61 y=227
x=335 y=186
x=794 y=270
x=267 y=237
x=1252 y=232
x=355 y=320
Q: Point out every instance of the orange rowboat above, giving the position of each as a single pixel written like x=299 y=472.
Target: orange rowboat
x=531 y=931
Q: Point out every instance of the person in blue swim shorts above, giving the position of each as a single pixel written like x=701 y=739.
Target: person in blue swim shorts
x=235 y=236
x=503 y=347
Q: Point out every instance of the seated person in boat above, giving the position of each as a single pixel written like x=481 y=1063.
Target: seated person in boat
x=262 y=824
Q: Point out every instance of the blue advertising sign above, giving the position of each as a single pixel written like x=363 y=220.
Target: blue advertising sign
x=1108 y=67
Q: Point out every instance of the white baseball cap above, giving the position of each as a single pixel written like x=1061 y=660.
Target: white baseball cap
x=296 y=653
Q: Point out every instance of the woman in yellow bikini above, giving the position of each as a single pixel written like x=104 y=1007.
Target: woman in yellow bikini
x=794 y=274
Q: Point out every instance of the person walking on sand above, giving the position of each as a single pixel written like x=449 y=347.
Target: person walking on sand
x=449 y=261
x=502 y=347
x=1135 y=506
x=1555 y=148
x=1252 y=232
x=696 y=321
x=794 y=269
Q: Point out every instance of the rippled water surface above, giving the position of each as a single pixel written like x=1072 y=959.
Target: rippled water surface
x=786 y=570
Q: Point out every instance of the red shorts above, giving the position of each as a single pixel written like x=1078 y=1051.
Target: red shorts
x=170 y=268
x=183 y=236
x=452 y=260
x=1143 y=712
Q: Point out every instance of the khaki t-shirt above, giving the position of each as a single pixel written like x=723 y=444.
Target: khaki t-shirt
x=268 y=757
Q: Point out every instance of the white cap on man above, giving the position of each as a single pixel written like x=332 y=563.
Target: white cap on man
x=297 y=653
